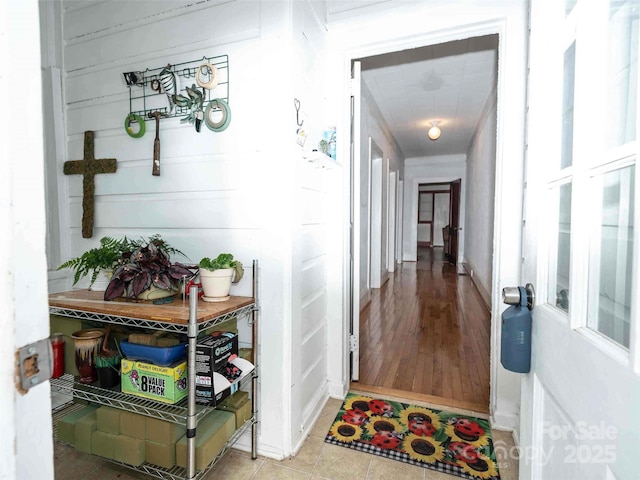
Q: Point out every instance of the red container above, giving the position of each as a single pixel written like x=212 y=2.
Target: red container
x=57 y=345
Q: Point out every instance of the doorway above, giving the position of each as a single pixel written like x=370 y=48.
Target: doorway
x=408 y=309
x=377 y=255
x=434 y=212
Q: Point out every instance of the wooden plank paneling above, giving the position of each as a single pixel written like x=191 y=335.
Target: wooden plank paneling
x=312 y=380
x=182 y=174
x=102 y=17
x=314 y=311
x=116 y=42
x=314 y=279
x=311 y=208
x=227 y=210
x=312 y=242
x=314 y=347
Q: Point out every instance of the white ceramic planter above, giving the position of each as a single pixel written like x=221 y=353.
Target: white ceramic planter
x=216 y=284
x=155 y=293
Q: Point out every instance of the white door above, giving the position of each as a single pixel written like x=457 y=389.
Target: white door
x=26 y=441
x=579 y=410
x=356 y=226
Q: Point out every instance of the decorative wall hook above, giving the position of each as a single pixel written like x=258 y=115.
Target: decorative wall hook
x=296 y=104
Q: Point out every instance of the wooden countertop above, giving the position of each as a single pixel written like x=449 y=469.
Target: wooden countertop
x=175 y=312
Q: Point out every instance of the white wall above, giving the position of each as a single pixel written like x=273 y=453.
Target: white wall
x=424 y=232
x=480 y=200
x=440 y=217
x=436 y=169
x=217 y=192
x=313 y=236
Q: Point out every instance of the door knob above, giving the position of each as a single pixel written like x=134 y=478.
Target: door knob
x=513 y=295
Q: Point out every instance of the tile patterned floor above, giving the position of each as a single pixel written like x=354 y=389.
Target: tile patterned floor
x=315 y=461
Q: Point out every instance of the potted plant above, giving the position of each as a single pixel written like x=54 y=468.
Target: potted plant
x=98 y=259
x=107 y=362
x=217 y=275
x=147 y=273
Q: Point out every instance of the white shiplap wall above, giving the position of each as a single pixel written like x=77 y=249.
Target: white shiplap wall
x=312 y=187
x=218 y=192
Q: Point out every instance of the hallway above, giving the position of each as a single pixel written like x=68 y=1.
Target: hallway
x=427 y=331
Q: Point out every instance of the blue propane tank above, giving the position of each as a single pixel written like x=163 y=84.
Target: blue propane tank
x=515 y=352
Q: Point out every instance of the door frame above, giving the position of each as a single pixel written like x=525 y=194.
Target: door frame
x=455 y=220
x=399 y=219
x=511 y=27
x=375 y=244
x=415 y=184
x=392 y=210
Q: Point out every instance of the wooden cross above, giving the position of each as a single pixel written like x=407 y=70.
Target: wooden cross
x=89 y=167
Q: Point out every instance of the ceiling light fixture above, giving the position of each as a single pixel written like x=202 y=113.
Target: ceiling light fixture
x=434 y=132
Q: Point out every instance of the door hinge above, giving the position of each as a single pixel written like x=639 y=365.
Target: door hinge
x=33 y=364
x=354 y=344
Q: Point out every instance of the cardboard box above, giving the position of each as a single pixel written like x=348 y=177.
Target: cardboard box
x=213 y=388
x=214 y=351
x=164 y=384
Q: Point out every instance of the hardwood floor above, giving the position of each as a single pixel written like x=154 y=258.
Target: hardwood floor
x=427 y=331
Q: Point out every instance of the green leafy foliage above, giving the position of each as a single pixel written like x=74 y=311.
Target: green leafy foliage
x=222 y=261
x=111 y=253
x=148 y=264
x=103 y=257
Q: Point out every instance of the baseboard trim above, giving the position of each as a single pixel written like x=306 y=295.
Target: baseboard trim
x=505 y=421
x=338 y=390
x=445 y=403
x=365 y=299
x=244 y=445
x=484 y=292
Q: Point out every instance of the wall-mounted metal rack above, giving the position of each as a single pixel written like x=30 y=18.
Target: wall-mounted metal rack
x=143 y=99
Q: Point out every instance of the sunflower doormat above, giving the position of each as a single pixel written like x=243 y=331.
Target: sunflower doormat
x=447 y=442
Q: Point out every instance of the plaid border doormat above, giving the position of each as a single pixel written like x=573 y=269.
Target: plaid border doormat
x=443 y=441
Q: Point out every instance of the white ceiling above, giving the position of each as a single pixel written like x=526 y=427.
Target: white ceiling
x=448 y=82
